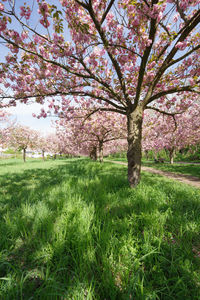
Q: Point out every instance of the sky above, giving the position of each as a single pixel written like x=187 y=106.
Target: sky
x=23 y=112
x=23 y=115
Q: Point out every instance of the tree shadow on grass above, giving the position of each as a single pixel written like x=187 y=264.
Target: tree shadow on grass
x=117 y=205
x=169 y=224
x=57 y=250
x=14 y=162
x=24 y=221
x=5 y=164
x=21 y=227
x=171 y=270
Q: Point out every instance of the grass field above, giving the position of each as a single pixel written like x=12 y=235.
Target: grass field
x=180 y=168
x=73 y=229
x=188 y=169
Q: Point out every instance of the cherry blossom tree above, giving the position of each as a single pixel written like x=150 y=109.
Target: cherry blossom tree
x=164 y=132
x=115 y=147
x=20 y=137
x=3 y=116
x=6 y=122
x=42 y=145
x=91 y=134
x=54 y=143
x=68 y=142
x=4 y=119
x=64 y=145
x=120 y=56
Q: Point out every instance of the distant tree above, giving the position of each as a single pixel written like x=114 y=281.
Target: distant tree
x=5 y=123
x=20 y=137
x=42 y=145
x=164 y=132
x=54 y=143
x=4 y=116
x=90 y=135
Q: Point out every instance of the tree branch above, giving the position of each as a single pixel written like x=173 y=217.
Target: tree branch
x=57 y=93
x=106 y=43
x=45 y=59
x=103 y=83
x=164 y=112
x=145 y=57
x=183 y=56
x=184 y=33
x=172 y=91
x=168 y=114
x=102 y=109
x=107 y=11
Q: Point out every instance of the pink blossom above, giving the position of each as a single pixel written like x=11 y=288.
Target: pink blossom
x=7 y=85
x=1 y=6
x=97 y=51
x=24 y=35
x=148 y=42
x=159 y=17
x=135 y=22
x=191 y=81
x=181 y=45
x=43 y=9
x=176 y=17
x=45 y=23
x=25 y=12
x=3 y=24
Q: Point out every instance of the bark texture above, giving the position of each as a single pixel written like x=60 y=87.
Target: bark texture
x=93 y=153
x=134 y=153
x=171 y=155
x=100 y=151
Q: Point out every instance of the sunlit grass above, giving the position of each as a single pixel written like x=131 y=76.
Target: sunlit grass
x=180 y=168
x=187 y=169
x=72 y=229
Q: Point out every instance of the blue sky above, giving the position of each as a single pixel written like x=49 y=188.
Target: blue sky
x=23 y=115
x=23 y=112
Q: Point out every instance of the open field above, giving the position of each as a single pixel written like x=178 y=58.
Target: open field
x=180 y=168
x=73 y=229
x=188 y=169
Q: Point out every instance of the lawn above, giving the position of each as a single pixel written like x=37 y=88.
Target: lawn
x=73 y=229
x=180 y=168
x=187 y=169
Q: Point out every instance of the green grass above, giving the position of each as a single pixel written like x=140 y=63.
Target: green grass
x=187 y=169
x=73 y=229
x=124 y=159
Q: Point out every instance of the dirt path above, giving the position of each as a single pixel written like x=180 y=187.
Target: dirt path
x=188 y=179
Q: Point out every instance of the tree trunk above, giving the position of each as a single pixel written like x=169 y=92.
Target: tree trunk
x=134 y=153
x=43 y=154
x=93 y=153
x=100 y=151
x=155 y=155
x=171 y=155
x=146 y=154
x=24 y=155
